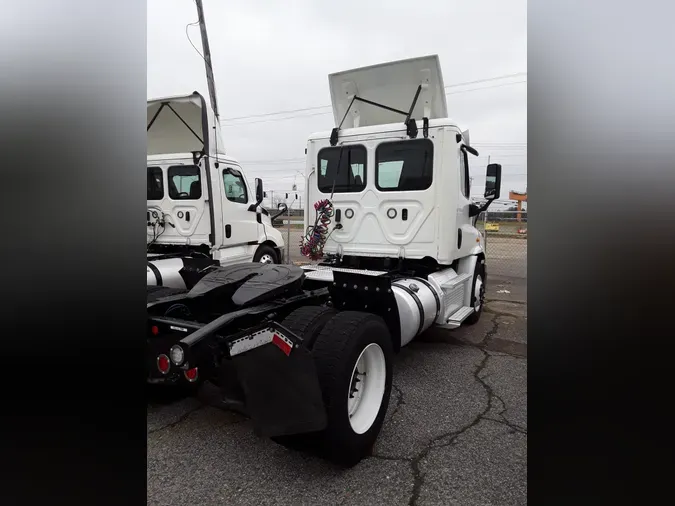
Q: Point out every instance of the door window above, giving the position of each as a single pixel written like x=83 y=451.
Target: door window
x=155 y=183
x=235 y=187
x=185 y=182
x=464 y=173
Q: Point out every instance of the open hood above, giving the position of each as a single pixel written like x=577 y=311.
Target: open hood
x=181 y=124
x=392 y=84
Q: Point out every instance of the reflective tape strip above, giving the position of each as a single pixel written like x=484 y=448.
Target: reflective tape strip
x=258 y=339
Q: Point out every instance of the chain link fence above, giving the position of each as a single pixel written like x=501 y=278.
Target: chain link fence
x=505 y=234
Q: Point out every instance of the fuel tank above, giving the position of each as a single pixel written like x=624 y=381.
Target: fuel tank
x=177 y=272
x=419 y=304
x=165 y=272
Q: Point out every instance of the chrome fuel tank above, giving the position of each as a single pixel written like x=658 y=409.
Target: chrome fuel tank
x=165 y=272
x=419 y=304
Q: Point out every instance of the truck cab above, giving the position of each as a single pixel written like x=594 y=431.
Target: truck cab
x=200 y=204
x=396 y=173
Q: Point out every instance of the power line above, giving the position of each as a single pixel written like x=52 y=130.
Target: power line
x=305 y=109
x=486 y=87
x=505 y=76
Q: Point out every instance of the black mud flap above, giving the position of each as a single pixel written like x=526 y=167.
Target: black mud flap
x=279 y=382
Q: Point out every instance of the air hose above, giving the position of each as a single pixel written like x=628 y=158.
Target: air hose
x=315 y=237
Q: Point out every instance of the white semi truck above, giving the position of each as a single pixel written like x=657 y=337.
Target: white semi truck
x=307 y=352
x=201 y=208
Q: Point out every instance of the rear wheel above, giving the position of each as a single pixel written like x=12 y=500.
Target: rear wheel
x=353 y=354
x=266 y=255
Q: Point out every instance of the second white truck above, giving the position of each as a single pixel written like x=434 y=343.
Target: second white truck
x=201 y=209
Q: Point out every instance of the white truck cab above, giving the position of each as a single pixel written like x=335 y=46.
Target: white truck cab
x=200 y=204
x=396 y=171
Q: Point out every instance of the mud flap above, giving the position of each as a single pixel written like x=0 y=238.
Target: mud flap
x=279 y=381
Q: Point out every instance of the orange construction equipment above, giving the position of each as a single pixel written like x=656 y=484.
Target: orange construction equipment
x=519 y=197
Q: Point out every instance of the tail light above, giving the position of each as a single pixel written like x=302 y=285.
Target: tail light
x=191 y=374
x=163 y=364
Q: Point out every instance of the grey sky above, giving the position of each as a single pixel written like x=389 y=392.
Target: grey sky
x=271 y=56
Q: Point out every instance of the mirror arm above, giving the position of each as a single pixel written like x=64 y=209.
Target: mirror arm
x=281 y=211
x=475 y=210
x=466 y=147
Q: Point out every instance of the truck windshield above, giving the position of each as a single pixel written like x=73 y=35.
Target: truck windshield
x=155 y=183
x=351 y=176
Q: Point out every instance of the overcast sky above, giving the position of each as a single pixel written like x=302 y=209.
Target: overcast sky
x=271 y=56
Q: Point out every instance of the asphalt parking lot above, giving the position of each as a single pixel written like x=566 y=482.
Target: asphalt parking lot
x=455 y=432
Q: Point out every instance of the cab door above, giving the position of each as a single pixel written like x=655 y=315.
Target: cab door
x=240 y=227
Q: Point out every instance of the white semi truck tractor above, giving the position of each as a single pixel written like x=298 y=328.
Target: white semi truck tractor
x=307 y=352
x=201 y=209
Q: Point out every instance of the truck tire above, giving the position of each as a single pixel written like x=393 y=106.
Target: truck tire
x=266 y=255
x=353 y=355
x=477 y=293
x=308 y=321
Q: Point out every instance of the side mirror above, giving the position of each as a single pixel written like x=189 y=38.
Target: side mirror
x=259 y=194
x=282 y=209
x=493 y=181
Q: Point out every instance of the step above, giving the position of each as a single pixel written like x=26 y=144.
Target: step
x=456 y=281
x=325 y=273
x=458 y=317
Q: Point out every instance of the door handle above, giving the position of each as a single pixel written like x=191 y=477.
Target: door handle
x=187 y=215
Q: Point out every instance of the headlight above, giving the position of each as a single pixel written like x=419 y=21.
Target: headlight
x=177 y=355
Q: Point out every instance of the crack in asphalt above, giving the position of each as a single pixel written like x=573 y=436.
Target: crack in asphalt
x=484 y=344
x=181 y=419
x=512 y=426
x=449 y=438
x=418 y=476
x=399 y=401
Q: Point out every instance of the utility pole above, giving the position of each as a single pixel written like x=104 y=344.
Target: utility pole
x=207 y=59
